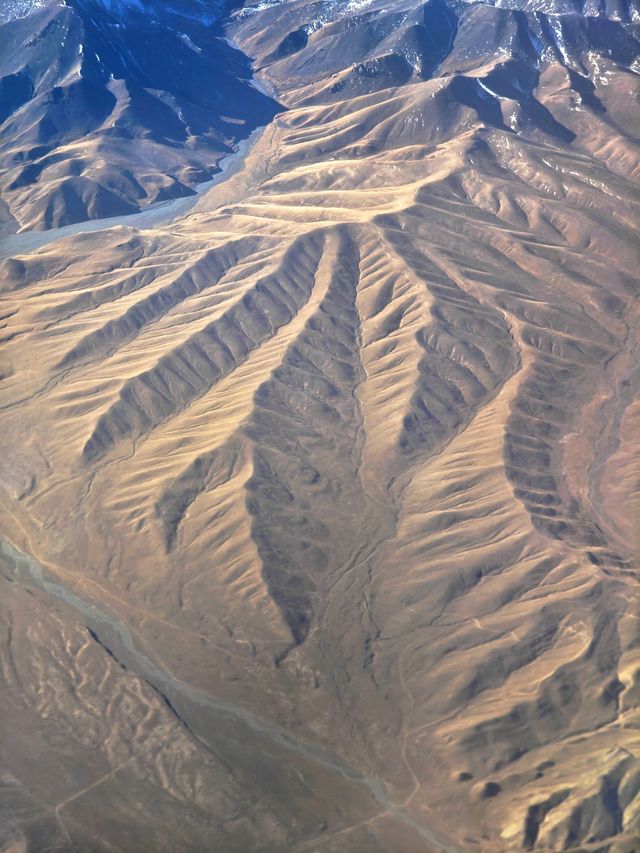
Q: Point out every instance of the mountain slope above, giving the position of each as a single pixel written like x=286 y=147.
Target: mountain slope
x=336 y=478
x=108 y=107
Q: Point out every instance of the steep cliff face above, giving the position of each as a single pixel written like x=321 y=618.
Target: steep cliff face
x=329 y=490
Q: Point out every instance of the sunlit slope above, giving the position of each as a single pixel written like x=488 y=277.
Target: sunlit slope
x=353 y=449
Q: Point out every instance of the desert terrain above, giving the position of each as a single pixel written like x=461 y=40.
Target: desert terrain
x=319 y=490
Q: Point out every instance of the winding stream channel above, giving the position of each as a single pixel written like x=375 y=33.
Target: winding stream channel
x=196 y=710
x=187 y=703
x=157 y=214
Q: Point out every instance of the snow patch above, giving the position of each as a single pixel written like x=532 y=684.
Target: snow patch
x=11 y=10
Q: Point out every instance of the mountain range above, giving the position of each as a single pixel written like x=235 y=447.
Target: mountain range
x=319 y=496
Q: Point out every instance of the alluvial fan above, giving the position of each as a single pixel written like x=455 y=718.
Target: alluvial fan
x=320 y=491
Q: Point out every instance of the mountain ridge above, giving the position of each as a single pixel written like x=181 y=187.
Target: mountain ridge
x=352 y=448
